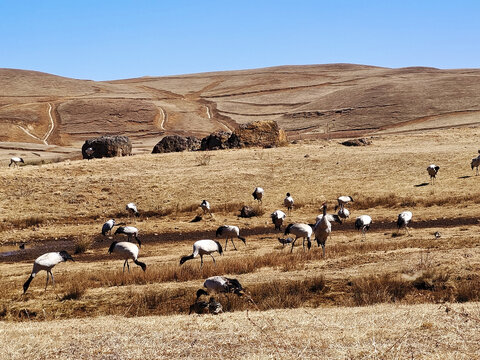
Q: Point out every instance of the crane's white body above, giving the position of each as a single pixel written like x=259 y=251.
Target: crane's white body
x=127 y=251
x=15 y=160
x=258 y=194
x=132 y=208
x=203 y=247
x=130 y=231
x=288 y=202
x=475 y=163
x=362 y=223
x=300 y=230
x=108 y=226
x=432 y=171
x=343 y=213
x=205 y=205
x=278 y=216
x=342 y=200
x=222 y=284
x=323 y=229
x=404 y=219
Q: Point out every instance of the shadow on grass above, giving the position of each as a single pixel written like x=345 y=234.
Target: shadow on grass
x=422 y=184
x=465 y=177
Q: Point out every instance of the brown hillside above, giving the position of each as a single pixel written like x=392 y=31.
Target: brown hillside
x=308 y=100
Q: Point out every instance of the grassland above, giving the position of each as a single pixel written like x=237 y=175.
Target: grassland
x=385 y=297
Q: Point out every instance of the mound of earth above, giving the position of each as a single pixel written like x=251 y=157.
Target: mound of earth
x=176 y=143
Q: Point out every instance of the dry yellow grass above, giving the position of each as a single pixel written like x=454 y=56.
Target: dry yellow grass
x=63 y=206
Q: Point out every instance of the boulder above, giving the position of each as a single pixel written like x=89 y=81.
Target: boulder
x=175 y=143
x=357 y=142
x=247 y=212
x=258 y=133
x=107 y=146
x=216 y=141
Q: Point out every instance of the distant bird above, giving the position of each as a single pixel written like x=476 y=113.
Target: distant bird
x=205 y=205
x=230 y=232
x=343 y=213
x=403 y=220
x=342 y=200
x=132 y=209
x=323 y=229
x=363 y=223
x=15 y=160
x=108 y=226
x=432 y=171
x=437 y=235
x=258 y=194
x=89 y=151
x=21 y=246
x=288 y=202
x=278 y=216
x=221 y=284
x=285 y=241
x=475 y=163
x=128 y=251
x=130 y=231
x=47 y=262
x=203 y=247
x=300 y=230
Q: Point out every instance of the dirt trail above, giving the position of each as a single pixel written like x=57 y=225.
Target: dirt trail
x=51 y=126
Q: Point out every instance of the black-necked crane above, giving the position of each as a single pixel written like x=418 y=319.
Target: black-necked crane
x=258 y=194
x=343 y=213
x=475 y=163
x=300 y=230
x=330 y=217
x=404 y=219
x=130 y=231
x=362 y=223
x=432 y=171
x=15 y=160
x=278 y=216
x=47 y=262
x=132 y=209
x=288 y=202
x=108 y=226
x=323 y=229
x=229 y=232
x=203 y=247
x=285 y=241
x=205 y=205
x=128 y=251
x=221 y=284
x=342 y=200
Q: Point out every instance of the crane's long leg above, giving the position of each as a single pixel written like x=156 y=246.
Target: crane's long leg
x=201 y=260
x=226 y=242
x=233 y=243
x=125 y=263
x=53 y=280
x=213 y=259
x=46 y=282
x=293 y=243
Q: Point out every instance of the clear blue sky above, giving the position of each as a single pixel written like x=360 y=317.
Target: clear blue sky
x=103 y=40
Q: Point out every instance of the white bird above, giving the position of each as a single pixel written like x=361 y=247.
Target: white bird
x=108 y=226
x=229 y=232
x=128 y=251
x=343 y=213
x=403 y=220
x=130 y=231
x=363 y=223
x=205 y=205
x=475 y=163
x=342 y=200
x=323 y=229
x=258 y=194
x=330 y=217
x=278 y=216
x=221 y=284
x=288 y=202
x=203 y=247
x=15 y=160
x=46 y=262
x=132 y=209
x=432 y=171
x=300 y=230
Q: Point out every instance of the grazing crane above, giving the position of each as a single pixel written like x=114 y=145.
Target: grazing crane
x=300 y=230
x=108 y=226
x=132 y=209
x=403 y=220
x=363 y=223
x=323 y=229
x=203 y=247
x=288 y=202
x=15 y=160
x=205 y=205
x=432 y=171
x=278 y=216
x=330 y=217
x=475 y=163
x=130 y=231
x=229 y=232
x=343 y=213
x=258 y=194
x=221 y=284
x=342 y=200
x=46 y=262
x=128 y=251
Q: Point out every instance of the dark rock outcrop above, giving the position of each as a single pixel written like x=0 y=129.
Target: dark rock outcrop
x=247 y=212
x=357 y=142
x=175 y=143
x=107 y=146
x=216 y=141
